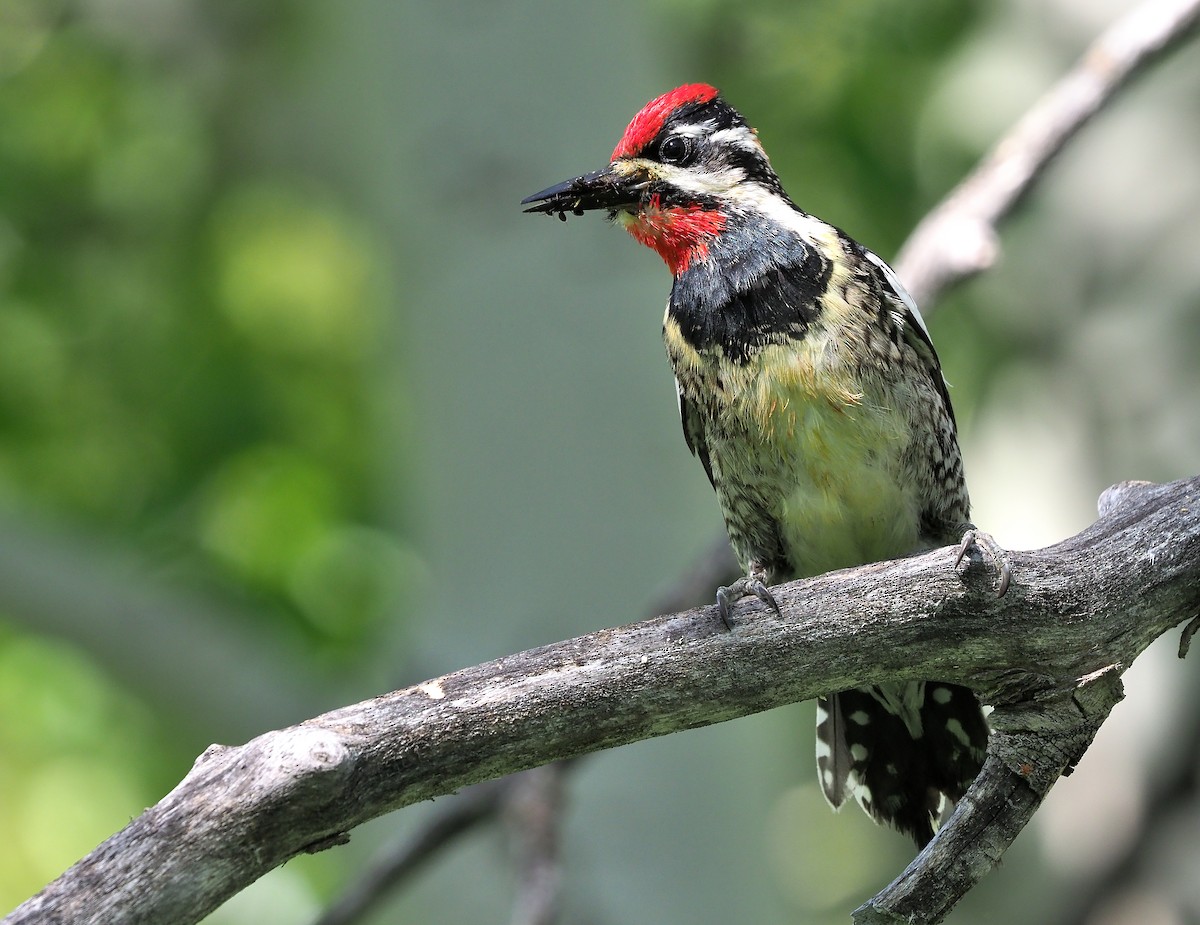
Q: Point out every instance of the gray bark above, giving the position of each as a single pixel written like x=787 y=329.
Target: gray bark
x=1048 y=655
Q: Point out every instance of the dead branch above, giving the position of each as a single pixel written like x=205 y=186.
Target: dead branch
x=1048 y=655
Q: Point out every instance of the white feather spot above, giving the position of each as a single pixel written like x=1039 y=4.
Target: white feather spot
x=858 y=752
x=942 y=695
x=860 y=718
x=955 y=728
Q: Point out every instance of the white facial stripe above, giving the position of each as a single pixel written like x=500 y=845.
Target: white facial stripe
x=703 y=183
x=695 y=130
x=737 y=137
x=757 y=198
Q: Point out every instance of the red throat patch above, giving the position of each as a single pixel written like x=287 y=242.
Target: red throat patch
x=647 y=123
x=680 y=234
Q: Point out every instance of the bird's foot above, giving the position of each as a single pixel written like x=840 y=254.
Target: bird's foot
x=973 y=536
x=729 y=595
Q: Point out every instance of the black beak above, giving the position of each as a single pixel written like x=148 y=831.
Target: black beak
x=601 y=189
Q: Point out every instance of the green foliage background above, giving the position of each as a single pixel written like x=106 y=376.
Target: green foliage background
x=297 y=407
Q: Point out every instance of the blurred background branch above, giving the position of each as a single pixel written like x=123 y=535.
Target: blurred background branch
x=393 y=866
x=959 y=238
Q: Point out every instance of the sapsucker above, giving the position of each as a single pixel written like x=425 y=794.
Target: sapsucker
x=811 y=393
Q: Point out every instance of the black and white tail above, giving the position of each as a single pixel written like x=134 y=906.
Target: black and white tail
x=907 y=752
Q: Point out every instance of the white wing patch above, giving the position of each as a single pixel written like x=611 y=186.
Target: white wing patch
x=910 y=310
x=898 y=287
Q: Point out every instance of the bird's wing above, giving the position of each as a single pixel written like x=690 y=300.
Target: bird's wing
x=912 y=325
x=693 y=432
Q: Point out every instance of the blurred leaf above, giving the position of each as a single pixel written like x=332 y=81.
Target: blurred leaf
x=263 y=510
x=292 y=276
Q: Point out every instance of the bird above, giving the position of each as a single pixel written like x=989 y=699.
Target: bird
x=810 y=391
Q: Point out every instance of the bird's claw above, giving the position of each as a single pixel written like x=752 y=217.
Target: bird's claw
x=986 y=544
x=728 y=595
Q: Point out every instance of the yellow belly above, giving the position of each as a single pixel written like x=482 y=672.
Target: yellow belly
x=831 y=476
x=795 y=440
x=842 y=502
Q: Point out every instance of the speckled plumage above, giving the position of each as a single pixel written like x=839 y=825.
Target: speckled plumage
x=827 y=432
x=829 y=438
x=812 y=394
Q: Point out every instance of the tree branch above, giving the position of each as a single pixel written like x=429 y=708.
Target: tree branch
x=1085 y=606
x=1029 y=748
x=958 y=239
x=480 y=804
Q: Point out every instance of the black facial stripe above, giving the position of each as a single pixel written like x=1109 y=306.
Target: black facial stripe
x=754 y=165
x=716 y=112
x=716 y=116
x=671 y=195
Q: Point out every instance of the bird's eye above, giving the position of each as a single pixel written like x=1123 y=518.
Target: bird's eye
x=676 y=150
